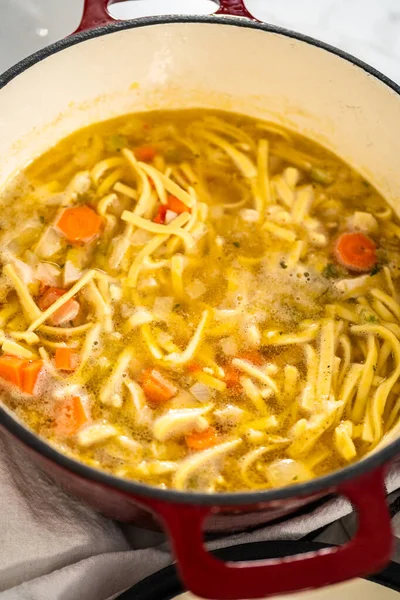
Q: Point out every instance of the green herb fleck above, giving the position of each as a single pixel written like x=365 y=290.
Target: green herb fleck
x=283 y=264
x=371 y=319
x=42 y=219
x=177 y=306
x=366 y=184
x=236 y=244
x=321 y=176
x=115 y=143
x=383 y=258
x=331 y=271
x=376 y=269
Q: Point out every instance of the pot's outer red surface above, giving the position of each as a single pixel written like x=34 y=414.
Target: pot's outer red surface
x=123 y=507
x=183 y=515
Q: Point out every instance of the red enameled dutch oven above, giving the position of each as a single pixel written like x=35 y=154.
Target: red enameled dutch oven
x=108 y=68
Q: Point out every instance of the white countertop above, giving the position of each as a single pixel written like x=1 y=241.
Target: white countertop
x=368 y=29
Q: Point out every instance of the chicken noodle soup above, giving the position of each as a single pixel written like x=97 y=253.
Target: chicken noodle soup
x=200 y=301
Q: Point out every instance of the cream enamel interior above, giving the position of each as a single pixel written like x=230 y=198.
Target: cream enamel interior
x=180 y=65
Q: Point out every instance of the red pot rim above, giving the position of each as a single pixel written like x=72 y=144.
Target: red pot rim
x=9 y=422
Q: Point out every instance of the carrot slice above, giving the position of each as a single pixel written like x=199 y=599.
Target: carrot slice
x=64 y=359
x=156 y=388
x=145 y=153
x=43 y=288
x=193 y=367
x=176 y=205
x=79 y=224
x=253 y=357
x=49 y=297
x=65 y=313
x=232 y=377
x=11 y=369
x=356 y=251
x=201 y=440
x=160 y=216
x=70 y=416
x=30 y=373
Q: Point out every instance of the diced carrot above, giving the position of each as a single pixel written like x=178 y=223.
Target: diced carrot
x=193 y=367
x=201 y=440
x=356 y=251
x=176 y=205
x=253 y=357
x=67 y=312
x=145 y=153
x=70 y=416
x=49 y=297
x=79 y=224
x=11 y=369
x=232 y=377
x=30 y=373
x=160 y=216
x=43 y=288
x=156 y=388
x=64 y=359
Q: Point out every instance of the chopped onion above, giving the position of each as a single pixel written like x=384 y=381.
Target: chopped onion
x=195 y=289
x=216 y=212
x=115 y=292
x=255 y=437
x=201 y=392
x=287 y=472
x=140 y=237
x=163 y=307
x=141 y=316
x=184 y=399
x=199 y=231
x=164 y=338
x=229 y=415
x=170 y=215
x=25 y=272
x=252 y=335
x=229 y=346
x=148 y=283
x=49 y=244
x=71 y=273
x=249 y=215
x=349 y=285
x=48 y=274
x=80 y=183
x=103 y=362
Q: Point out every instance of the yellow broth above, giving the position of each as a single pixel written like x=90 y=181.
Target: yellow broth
x=219 y=343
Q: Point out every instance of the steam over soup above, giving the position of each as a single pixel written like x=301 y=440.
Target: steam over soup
x=200 y=301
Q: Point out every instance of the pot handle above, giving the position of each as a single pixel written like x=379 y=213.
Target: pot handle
x=95 y=13
x=208 y=577
x=234 y=8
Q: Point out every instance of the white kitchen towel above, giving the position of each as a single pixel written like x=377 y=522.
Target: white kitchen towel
x=52 y=547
